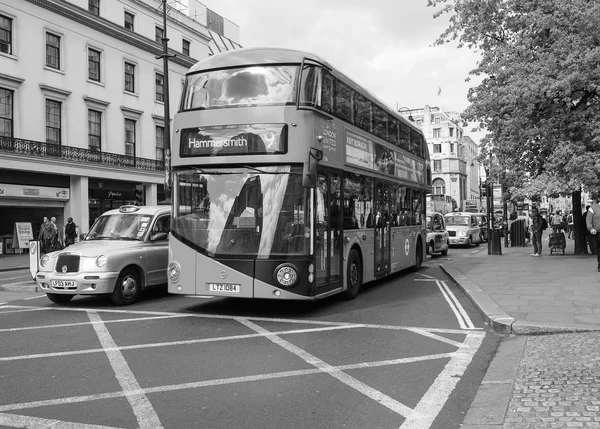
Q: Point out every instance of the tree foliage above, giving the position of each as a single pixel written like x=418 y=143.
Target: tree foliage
x=539 y=93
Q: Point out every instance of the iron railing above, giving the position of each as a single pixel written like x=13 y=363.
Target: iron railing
x=77 y=154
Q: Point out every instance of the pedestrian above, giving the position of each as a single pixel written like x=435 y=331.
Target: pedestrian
x=70 y=232
x=570 y=223
x=54 y=241
x=537 y=229
x=588 y=236
x=593 y=225
x=47 y=232
x=556 y=221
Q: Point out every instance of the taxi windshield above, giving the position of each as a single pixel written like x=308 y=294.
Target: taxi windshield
x=122 y=226
x=457 y=220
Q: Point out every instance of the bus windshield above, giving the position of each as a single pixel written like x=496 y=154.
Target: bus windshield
x=246 y=86
x=255 y=212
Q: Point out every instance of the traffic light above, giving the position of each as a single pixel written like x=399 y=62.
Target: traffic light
x=139 y=195
x=483 y=189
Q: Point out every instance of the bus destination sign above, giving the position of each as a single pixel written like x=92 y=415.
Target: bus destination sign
x=254 y=139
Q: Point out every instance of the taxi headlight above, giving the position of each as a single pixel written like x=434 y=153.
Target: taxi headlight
x=462 y=233
x=286 y=275
x=44 y=260
x=174 y=271
x=101 y=261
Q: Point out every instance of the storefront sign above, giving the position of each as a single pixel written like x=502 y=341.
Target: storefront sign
x=27 y=191
x=22 y=234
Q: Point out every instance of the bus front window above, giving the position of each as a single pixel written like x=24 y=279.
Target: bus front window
x=244 y=212
x=247 y=86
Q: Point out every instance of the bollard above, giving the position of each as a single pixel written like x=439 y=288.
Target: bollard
x=496 y=242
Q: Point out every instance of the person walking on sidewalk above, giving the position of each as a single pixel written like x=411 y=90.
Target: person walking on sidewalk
x=70 y=232
x=537 y=229
x=592 y=222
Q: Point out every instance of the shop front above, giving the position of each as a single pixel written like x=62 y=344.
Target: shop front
x=104 y=195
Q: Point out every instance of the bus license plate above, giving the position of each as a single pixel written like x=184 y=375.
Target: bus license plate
x=63 y=283
x=224 y=287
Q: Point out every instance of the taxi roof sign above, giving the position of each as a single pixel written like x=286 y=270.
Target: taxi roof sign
x=128 y=209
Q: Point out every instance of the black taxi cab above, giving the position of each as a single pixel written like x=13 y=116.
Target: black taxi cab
x=125 y=251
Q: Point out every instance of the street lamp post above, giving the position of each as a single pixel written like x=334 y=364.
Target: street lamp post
x=167 y=132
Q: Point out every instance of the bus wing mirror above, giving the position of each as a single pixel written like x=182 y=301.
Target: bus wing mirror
x=309 y=173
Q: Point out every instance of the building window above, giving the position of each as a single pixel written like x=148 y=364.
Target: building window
x=451 y=147
x=6 y=112
x=5 y=35
x=160 y=143
x=451 y=131
x=94 y=7
x=436 y=120
x=53 y=121
x=185 y=47
x=94 y=130
x=94 y=65
x=439 y=187
x=160 y=87
x=437 y=165
x=129 y=77
x=436 y=132
x=437 y=148
x=53 y=51
x=129 y=137
x=158 y=34
x=128 y=21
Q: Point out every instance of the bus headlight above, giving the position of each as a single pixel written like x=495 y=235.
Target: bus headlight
x=174 y=271
x=44 y=260
x=286 y=275
x=101 y=261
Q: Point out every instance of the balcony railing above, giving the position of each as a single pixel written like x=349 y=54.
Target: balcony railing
x=77 y=154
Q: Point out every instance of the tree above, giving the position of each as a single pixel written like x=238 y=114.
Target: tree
x=539 y=93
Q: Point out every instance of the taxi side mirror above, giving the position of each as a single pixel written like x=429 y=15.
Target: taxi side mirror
x=159 y=236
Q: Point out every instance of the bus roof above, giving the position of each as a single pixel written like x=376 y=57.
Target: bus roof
x=263 y=55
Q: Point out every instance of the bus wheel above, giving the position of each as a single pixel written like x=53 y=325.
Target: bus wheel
x=418 y=258
x=59 y=298
x=128 y=287
x=353 y=275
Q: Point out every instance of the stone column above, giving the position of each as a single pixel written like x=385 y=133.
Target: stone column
x=78 y=205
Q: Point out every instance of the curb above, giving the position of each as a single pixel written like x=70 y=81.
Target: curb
x=29 y=286
x=14 y=269
x=499 y=320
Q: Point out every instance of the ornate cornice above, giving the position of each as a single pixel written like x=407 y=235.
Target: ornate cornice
x=102 y=25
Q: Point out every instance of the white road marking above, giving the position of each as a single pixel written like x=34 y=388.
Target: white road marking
x=21 y=311
x=358 y=385
x=142 y=408
x=18 y=277
x=220 y=382
x=461 y=315
x=16 y=421
x=438 y=393
x=171 y=343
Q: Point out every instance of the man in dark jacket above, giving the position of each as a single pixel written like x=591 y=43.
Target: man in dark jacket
x=593 y=224
x=537 y=229
x=70 y=232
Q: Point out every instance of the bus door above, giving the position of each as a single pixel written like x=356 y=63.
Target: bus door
x=382 y=229
x=328 y=223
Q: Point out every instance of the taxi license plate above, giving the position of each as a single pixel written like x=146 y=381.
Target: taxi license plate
x=224 y=287
x=63 y=283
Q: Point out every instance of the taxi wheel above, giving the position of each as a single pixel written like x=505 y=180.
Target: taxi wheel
x=353 y=276
x=59 y=298
x=128 y=287
x=445 y=251
x=431 y=248
x=468 y=243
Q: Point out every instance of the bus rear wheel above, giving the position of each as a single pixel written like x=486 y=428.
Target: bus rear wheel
x=353 y=275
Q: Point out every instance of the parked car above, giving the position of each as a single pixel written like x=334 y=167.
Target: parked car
x=463 y=229
x=483 y=226
x=437 y=236
x=125 y=252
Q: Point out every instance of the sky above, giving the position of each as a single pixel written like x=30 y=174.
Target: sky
x=386 y=46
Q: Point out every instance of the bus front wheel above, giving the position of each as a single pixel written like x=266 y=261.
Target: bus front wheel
x=353 y=275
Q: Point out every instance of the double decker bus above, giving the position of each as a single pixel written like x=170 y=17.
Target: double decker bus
x=290 y=181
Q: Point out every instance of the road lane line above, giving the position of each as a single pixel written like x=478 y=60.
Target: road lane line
x=18 y=277
x=171 y=343
x=64 y=325
x=460 y=308
x=17 y=421
x=220 y=382
x=438 y=393
x=350 y=381
x=142 y=408
x=21 y=311
x=460 y=320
